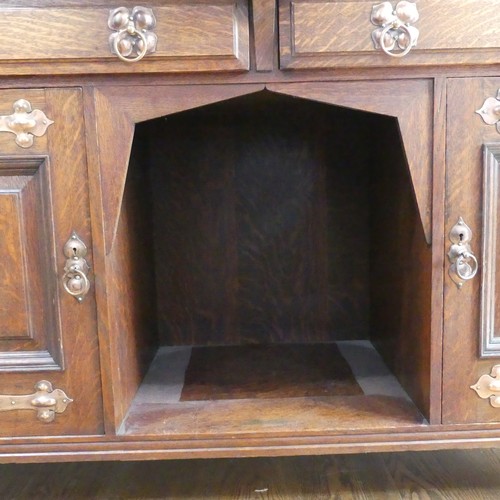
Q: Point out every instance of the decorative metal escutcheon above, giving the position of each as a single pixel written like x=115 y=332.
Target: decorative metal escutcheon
x=46 y=401
x=463 y=263
x=75 y=280
x=488 y=387
x=395 y=30
x=490 y=111
x=25 y=123
x=133 y=38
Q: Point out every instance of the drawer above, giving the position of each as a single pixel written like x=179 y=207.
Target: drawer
x=208 y=36
x=316 y=34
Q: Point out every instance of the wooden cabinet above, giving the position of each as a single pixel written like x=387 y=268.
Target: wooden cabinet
x=271 y=258
x=45 y=333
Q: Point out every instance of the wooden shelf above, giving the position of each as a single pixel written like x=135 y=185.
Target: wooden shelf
x=336 y=387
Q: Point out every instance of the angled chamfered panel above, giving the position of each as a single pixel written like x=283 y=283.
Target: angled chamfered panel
x=409 y=101
x=29 y=327
x=119 y=108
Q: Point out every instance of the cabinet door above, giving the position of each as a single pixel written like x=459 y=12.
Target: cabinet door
x=472 y=310
x=46 y=334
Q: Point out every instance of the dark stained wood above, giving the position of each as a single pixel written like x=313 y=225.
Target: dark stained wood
x=455 y=41
x=29 y=319
x=400 y=270
x=271 y=417
x=408 y=100
x=130 y=289
x=252 y=245
x=196 y=37
x=269 y=371
x=326 y=34
x=461 y=475
x=117 y=109
x=438 y=196
x=466 y=134
x=264 y=33
x=67 y=190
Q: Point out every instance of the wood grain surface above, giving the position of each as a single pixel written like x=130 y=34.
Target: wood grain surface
x=332 y=34
x=267 y=242
x=76 y=337
x=466 y=135
x=446 y=475
x=192 y=37
x=268 y=371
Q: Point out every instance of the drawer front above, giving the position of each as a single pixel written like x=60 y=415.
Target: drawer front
x=197 y=37
x=339 y=34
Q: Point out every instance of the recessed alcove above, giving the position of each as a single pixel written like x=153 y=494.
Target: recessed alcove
x=276 y=272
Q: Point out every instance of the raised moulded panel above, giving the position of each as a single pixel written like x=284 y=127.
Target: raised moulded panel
x=490 y=289
x=29 y=330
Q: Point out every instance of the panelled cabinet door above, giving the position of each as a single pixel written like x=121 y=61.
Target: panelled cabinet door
x=47 y=306
x=471 y=392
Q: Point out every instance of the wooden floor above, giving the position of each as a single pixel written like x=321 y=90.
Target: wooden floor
x=467 y=475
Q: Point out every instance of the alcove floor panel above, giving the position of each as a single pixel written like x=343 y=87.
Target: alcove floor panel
x=326 y=387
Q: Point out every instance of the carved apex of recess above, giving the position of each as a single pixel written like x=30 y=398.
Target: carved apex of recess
x=25 y=123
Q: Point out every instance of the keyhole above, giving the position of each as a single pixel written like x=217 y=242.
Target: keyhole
x=461 y=236
x=75 y=250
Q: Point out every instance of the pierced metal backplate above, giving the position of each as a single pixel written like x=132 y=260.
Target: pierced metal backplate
x=488 y=387
x=75 y=280
x=490 y=111
x=463 y=262
x=395 y=33
x=25 y=123
x=46 y=401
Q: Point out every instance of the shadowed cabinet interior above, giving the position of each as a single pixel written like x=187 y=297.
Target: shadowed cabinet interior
x=279 y=280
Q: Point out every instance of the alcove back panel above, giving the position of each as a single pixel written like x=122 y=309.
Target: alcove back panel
x=261 y=222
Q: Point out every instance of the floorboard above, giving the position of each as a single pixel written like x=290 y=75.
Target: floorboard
x=467 y=475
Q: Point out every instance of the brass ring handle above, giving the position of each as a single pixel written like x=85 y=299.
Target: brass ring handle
x=133 y=35
x=408 y=47
x=122 y=35
x=395 y=27
x=76 y=283
x=75 y=280
x=463 y=262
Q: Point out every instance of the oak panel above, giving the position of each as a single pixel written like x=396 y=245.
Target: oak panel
x=327 y=34
x=62 y=187
x=202 y=35
x=29 y=320
x=466 y=136
x=13 y=298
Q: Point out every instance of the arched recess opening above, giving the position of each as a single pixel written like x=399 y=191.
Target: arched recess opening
x=272 y=271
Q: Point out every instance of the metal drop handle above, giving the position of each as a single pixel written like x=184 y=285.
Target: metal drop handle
x=133 y=37
x=75 y=280
x=395 y=27
x=463 y=263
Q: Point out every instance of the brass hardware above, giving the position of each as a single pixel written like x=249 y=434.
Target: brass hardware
x=464 y=265
x=490 y=111
x=395 y=28
x=25 y=123
x=46 y=401
x=133 y=38
x=488 y=387
x=75 y=279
